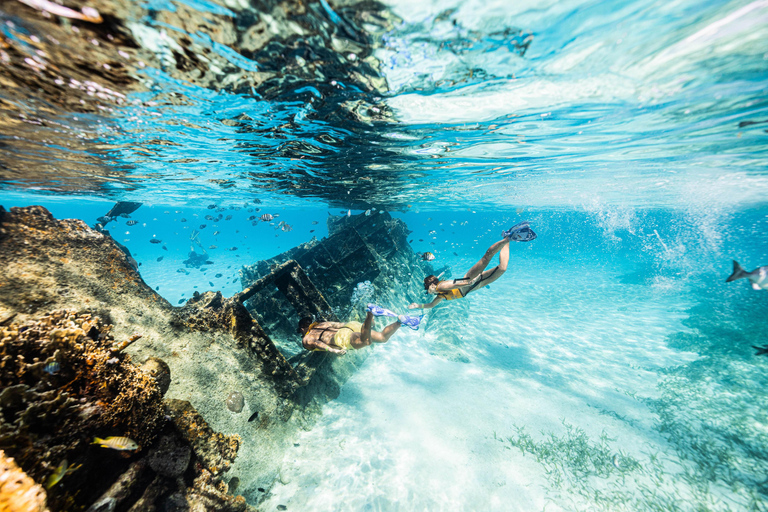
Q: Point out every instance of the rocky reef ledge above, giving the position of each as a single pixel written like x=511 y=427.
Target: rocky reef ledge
x=75 y=318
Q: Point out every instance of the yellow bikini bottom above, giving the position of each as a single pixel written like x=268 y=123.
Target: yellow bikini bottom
x=343 y=337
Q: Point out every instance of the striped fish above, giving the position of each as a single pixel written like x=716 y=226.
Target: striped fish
x=116 y=443
x=52 y=368
x=60 y=472
x=267 y=217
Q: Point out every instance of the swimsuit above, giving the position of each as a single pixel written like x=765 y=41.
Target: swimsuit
x=343 y=336
x=456 y=293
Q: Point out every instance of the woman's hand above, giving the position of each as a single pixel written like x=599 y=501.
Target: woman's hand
x=414 y=306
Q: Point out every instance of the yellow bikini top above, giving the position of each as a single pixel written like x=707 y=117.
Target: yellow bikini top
x=454 y=293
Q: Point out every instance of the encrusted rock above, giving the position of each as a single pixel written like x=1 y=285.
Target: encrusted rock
x=207 y=494
x=159 y=371
x=214 y=450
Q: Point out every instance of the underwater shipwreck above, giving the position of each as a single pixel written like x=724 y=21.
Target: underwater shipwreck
x=211 y=392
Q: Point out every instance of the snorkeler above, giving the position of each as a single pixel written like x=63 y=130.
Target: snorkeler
x=338 y=337
x=477 y=277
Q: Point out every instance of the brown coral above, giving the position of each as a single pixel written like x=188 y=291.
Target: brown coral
x=60 y=386
x=18 y=492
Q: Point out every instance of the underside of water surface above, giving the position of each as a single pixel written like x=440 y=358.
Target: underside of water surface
x=611 y=366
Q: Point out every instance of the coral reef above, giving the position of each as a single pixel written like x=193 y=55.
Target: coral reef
x=63 y=384
x=18 y=492
x=212 y=347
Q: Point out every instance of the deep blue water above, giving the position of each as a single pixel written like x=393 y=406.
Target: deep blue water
x=632 y=135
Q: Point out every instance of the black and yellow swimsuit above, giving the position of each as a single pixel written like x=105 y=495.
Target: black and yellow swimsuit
x=342 y=338
x=456 y=293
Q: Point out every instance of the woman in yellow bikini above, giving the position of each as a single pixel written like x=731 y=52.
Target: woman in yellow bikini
x=477 y=277
x=338 y=337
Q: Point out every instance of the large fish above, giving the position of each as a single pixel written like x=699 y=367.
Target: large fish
x=123 y=207
x=758 y=277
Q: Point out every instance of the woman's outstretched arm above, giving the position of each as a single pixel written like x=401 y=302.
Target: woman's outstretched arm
x=432 y=304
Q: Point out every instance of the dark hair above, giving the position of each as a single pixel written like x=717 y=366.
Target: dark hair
x=304 y=324
x=429 y=281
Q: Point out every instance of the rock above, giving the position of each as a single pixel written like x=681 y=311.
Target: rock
x=214 y=450
x=235 y=401
x=170 y=457
x=159 y=371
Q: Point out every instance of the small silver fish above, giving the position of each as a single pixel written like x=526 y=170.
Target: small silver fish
x=616 y=461
x=116 y=443
x=286 y=227
x=215 y=233
x=427 y=256
x=758 y=277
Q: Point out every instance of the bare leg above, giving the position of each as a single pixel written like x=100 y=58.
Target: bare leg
x=363 y=338
x=365 y=333
x=478 y=267
x=386 y=333
x=493 y=274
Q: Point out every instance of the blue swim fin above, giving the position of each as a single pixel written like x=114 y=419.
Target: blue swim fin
x=380 y=311
x=519 y=233
x=410 y=321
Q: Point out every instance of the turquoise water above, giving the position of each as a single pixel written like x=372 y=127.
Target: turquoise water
x=611 y=367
